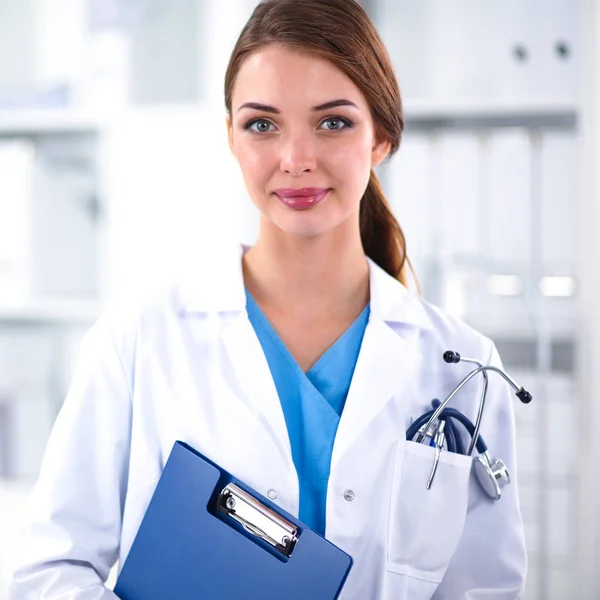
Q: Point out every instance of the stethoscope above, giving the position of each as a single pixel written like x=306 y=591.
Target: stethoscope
x=437 y=429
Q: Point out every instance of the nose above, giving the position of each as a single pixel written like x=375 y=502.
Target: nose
x=298 y=154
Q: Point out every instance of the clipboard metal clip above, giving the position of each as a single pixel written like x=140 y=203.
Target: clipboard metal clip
x=257 y=519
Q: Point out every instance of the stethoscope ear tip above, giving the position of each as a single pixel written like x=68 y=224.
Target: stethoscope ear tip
x=451 y=357
x=524 y=396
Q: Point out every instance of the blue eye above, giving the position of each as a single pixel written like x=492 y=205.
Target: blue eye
x=261 y=126
x=339 y=122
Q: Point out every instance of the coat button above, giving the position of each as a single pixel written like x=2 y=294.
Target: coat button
x=349 y=495
x=273 y=494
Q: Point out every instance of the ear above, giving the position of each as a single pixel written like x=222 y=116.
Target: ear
x=380 y=151
x=229 y=132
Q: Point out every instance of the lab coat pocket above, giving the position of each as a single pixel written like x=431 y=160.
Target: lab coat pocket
x=426 y=524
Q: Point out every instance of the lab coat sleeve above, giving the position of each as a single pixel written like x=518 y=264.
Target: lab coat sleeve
x=73 y=522
x=490 y=560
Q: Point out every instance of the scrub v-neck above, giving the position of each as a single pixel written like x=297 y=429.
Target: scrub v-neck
x=312 y=404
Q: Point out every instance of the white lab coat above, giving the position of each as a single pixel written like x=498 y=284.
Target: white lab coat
x=188 y=366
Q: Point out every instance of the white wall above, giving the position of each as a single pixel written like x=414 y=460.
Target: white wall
x=175 y=195
x=589 y=359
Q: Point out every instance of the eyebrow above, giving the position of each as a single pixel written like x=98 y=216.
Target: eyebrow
x=276 y=111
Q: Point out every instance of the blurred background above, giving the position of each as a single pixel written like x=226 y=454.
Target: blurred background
x=113 y=150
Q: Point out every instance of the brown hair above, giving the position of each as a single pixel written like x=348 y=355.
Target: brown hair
x=341 y=32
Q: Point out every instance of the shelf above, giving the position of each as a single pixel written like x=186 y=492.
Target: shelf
x=43 y=122
x=50 y=311
x=489 y=113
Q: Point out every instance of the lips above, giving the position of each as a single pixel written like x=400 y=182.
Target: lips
x=301 y=198
x=299 y=192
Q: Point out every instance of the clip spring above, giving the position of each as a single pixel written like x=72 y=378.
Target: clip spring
x=257 y=519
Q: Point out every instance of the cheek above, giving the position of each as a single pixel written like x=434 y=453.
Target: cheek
x=254 y=162
x=249 y=161
x=351 y=162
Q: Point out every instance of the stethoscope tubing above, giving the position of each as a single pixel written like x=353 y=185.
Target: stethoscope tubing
x=454 y=440
x=436 y=413
x=480 y=411
x=453 y=413
x=481 y=402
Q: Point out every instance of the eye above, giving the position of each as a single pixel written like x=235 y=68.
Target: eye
x=262 y=126
x=337 y=123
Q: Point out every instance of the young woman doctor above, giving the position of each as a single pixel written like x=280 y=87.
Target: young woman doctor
x=298 y=367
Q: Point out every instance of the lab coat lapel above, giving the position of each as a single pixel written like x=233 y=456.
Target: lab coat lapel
x=387 y=360
x=252 y=370
x=384 y=370
x=225 y=302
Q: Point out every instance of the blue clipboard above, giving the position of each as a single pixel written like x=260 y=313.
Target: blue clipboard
x=206 y=535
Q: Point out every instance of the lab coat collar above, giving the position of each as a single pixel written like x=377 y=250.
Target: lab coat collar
x=220 y=287
x=391 y=302
x=383 y=371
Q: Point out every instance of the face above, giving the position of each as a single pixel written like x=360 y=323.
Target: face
x=304 y=138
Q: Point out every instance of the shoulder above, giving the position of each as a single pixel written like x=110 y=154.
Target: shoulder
x=428 y=326
x=440 y=332
x=131 y=324
x=210 y=286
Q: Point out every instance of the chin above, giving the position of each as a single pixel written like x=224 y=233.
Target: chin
x=306 y=223
x=307 y=227
x=306 y=231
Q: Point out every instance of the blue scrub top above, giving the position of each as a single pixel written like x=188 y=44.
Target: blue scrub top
x=312 y=404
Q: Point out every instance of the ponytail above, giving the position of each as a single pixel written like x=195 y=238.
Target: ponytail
x=382 y=237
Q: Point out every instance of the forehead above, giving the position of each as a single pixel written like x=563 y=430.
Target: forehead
x=283 y=76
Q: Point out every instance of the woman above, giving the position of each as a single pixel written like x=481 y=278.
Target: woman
x=298 y=367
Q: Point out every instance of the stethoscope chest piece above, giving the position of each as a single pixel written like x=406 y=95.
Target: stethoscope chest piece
x=492 y=474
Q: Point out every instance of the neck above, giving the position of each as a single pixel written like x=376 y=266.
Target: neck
x=308 y=277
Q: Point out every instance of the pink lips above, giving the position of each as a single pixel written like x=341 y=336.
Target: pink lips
x=301 y=198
